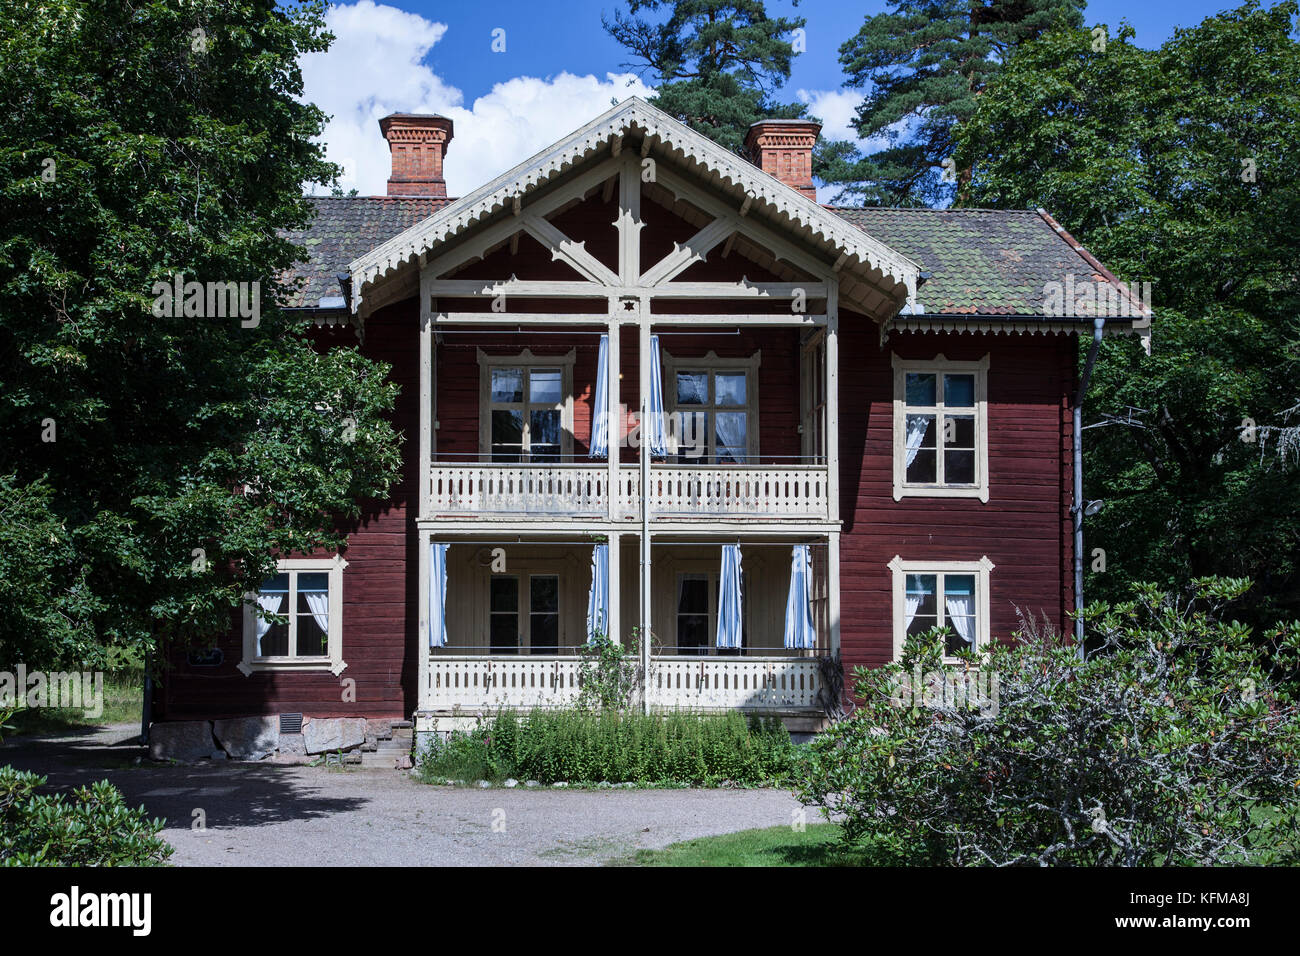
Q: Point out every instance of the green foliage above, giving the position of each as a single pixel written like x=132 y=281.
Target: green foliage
x=144 y=140
x=581 y=746
x=607 y=676
x=1142 y=155
x=94 y=828
x=923 y=66
x=716 y=63
x=1174 y=744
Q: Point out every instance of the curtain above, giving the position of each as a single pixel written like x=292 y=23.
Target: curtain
x=729 y=598
x=598 y=598
x=733 y=443
x=600 y=412
x=438 y=594
x=961 y=607
x=270 y=604
x=318 y=602
x=654 y=432
x=910 y=604
x=799 y=631
x=917 y=426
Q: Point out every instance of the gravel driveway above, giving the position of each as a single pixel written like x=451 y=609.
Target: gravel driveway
x=262 y=814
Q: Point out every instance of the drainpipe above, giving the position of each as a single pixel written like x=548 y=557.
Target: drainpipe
x=1098 y=325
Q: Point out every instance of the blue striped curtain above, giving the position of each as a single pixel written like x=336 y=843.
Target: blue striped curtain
x=656 y=433
x=438 y=594
x=730 y=627
x=600 y=412
x=598 y=599
x=799 y=631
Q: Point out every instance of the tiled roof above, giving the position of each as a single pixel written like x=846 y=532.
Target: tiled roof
x=345 y=228
x=981 y=261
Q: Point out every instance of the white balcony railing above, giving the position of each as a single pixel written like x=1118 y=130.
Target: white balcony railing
x=582 y=491
x=479 y=684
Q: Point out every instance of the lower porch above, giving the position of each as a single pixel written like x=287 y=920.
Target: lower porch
x=516 y=616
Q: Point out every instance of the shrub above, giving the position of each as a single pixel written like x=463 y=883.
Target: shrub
x=618 y=746
x=94 y=828
x=1171 y=744
x=607 y=677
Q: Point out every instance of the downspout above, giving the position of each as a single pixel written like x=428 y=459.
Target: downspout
x=1098 y=325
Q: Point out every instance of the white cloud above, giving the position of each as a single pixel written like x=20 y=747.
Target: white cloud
x=376 y=66
x=835 y=108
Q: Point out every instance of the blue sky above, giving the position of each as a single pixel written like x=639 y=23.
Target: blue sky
x=558 y=70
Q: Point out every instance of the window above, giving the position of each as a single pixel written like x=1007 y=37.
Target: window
x=294 y=621
x=526 y=407
x=937 y=594
x=715 y=406
x=940 y=428
x=697 y=615
x=534 y=624
x=813 y=397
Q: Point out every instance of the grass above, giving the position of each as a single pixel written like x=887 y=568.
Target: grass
x=816 y=845
x=123 y=700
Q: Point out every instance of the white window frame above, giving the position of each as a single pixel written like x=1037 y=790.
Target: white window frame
x=938 y=366
x=526 y=360
x=980 y=569
x=523 y=575
x=332 y=660
x=711 y=363
x=711 y=572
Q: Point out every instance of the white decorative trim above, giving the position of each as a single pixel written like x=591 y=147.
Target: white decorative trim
x=778 y=201
x=901 y=569
x=998 y=325
x=938 y=365
x=333 y=659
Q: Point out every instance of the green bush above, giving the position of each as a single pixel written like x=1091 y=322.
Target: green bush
x=617 y=746
x=94 y=828
x=1171 y=744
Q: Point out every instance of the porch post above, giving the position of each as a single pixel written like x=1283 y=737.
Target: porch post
x=644 y=352
x=613 y=426
x=833 y=400
x=833 y=589
x=422 y=701
x=612 y=626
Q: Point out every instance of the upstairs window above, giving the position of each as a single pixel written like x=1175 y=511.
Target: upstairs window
x=715 y=409
x=940 y=428
x=526 y=408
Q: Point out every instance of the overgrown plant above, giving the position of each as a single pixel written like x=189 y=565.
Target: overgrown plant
x=607 y=676
x=1171 y=744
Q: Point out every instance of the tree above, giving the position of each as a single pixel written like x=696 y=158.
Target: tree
x=717 y=63
x=923 y=65
x=155 y=456
x=1174 y=746
x=1175 y=166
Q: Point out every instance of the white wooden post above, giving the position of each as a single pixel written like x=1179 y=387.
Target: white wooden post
x=833 y=401
x=643 y=315
x=833 y=589
x=612 y=626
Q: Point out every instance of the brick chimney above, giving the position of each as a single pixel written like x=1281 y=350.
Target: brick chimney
x=418 y=142
x=783 y=148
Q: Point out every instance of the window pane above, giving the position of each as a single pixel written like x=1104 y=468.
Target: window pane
x=275 y=642
x=693 y=442
x=921 y=596
x=544 y=386
x=693 y=594
x=959 y=468
x=692 y=614
x=959 y=609
x=920 y=431
x=920 y=388
x=544 y=434
x=507 y=385
x=504 y=638
x=959 y=431
x=311 y=636
x=313 y=581
x=731 y=442
x=276 y=585
x=730 y=388
x=923 y=469
x=544 y=593
x=959 y=391
x=507 y=433
x=692 y=388
x=504 y=594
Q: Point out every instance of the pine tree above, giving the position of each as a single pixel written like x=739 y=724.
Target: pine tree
x=922 y=66
x=717 y=63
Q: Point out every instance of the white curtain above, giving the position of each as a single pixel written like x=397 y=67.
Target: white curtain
x=917 y=426
x=599 y=412
x=653 y=432
x=318 y=602
x=799 y=631
x=733 y=443
x=961 y=607
x=730 y=622
x=598 y=596
x=438 y=594
x=270 y=604
x=910 y=605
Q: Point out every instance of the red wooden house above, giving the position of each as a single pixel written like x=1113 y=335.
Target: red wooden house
x=877 y=401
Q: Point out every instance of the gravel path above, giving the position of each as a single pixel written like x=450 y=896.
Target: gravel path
x=273 y=815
